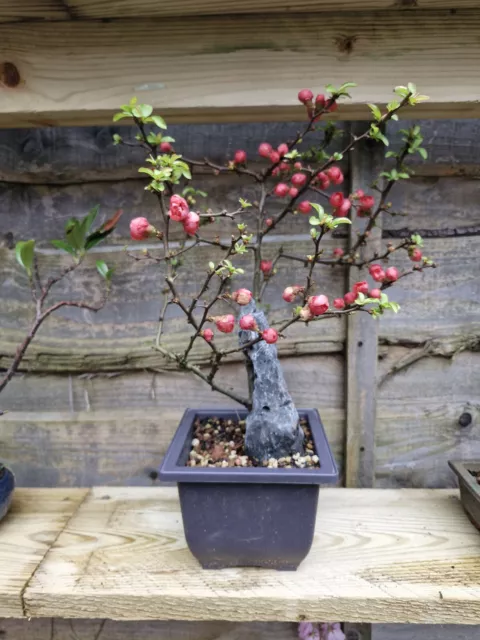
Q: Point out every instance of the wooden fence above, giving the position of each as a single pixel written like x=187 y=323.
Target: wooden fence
x=95 y=405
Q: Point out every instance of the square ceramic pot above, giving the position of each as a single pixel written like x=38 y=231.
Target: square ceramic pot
x=247 y=517
x=469 y=488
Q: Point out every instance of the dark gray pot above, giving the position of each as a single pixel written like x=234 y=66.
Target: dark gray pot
x=469 y=487
x=247 y=517
x=7 y=485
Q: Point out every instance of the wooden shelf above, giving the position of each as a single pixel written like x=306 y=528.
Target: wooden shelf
x=378 y=556
x=224 y=68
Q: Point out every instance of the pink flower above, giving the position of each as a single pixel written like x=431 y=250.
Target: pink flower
x=140 y=229
x=242 y=296
x=191 y=223
x=178 y=208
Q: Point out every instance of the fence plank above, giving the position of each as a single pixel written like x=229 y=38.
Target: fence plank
x=418 y=419
x=79 y=72
x=79 y=431
x=361 y=345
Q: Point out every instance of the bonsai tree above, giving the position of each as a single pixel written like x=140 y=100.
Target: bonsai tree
x=80 y=237
x=295 y=180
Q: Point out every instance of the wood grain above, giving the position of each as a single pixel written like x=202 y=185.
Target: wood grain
x=88 y=9
x=71 y=339
x=362 y=335
x=81 y=431
x=33 y=524
x=67 y=155
x=79 y=72
x=418 y=427
x=124 y=557
x=440 y=302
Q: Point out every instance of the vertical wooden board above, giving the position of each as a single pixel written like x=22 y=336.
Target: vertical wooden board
x=34 y=522
x=361 y=347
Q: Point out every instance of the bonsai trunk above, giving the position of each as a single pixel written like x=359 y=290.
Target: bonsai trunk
x=272 y=427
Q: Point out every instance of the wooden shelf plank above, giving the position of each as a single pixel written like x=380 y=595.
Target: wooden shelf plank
x=98 y=9
x=378 y=556
x=227 y=68
x=36 y=518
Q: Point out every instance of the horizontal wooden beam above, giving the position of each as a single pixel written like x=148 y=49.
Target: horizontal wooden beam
x=378 y=556
x=229 y=69
x=11 y=11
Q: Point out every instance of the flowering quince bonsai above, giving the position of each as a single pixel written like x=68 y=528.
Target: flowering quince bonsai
x=293 y=180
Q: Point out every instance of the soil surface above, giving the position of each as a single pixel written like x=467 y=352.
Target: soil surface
x=218 y=442
x=476 y=475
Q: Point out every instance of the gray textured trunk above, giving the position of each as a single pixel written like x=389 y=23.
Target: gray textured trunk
x=272 y=429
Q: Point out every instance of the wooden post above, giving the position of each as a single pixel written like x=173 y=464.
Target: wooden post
x=365 y=163
x=361 y=359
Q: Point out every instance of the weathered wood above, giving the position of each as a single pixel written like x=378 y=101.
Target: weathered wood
x=444 y=206
x=79 y=431
x=426 y=632
x=34 y=523
x=418 y=419
x=440 y=206
x=362 y=337
x=125 y=557
x=58 y=629
x=440 y=302
x=134 y=305
x=77 y=154
x=88 y=9
x=41 y=211
x=79 y=72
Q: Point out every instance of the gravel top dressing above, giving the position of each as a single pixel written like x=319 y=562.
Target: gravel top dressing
x=219 y=442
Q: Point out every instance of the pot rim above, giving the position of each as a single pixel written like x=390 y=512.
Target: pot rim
x=171 y=470
x=462 y=469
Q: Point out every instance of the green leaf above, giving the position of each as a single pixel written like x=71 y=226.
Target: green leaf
x=423 y=153
x=377 y=114
x=120 y=116
x=61 y=244
x=348 y=85
x=314 y=221
x=102 y=232
x=24 y=252
x=117 y=139
x=412 y=88
x=318 y=208
x=394 y=117
x=338 y=221
x=89 y=219
x=159 y=121
x=337 y=156
x=244 y=203
x=390 y=154
x=211 y=266
x=149 y=172
x=395 y=307
x=75 y=234
x=102 y=268
x=401 y=91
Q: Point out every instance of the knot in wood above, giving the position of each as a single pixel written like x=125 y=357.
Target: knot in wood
x=9 y=75
x=465 y=419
